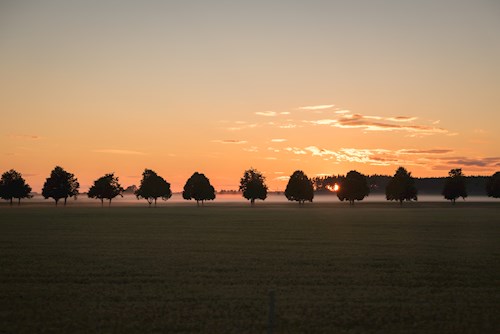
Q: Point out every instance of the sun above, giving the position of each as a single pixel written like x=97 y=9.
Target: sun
x=333 y=188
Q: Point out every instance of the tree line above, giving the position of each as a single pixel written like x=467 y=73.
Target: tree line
x=61 y=185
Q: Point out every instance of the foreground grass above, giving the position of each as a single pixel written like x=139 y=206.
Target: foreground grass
x=334 y=269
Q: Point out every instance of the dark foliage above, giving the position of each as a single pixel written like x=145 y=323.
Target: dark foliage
x=153 y=187
x=353 y=187
x=493 y=186
x=253 y=185
x=401 y=187
x=299 y=188
x=60 y=184
x=106 y=187
x=454 y=186
x=198 y=187
x=12 y=185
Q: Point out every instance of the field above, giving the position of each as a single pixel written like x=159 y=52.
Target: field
x=377 y=268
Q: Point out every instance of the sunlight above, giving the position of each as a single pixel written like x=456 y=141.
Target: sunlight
x=333 y=188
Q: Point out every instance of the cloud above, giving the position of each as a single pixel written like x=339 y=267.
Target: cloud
x=123 y=152
x=402 y=119
x=378 y=123
x=229 y=141
x=25 y=137
x=278 y=140
x=367 y=123
x=342 y=111
x=318 y=107
x=266 y=113
x=430 y=151
x=282 y=178
x=251 y=149
x=287 y=126
x=295 y=150
x=285 y=113
x=478 y=162
x=324 y=121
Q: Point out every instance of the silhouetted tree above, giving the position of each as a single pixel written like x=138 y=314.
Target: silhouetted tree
x=198 y=187
x=493 y=186
x=153 y=187
x=454 y=186
x=106 y=187
x=401 y=187
x=12 y=185
x=299 y=188
x=60 y=184
x=253 y=185
x=353 y=187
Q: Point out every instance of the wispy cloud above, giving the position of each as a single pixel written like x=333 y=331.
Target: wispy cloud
x=123 y=152
x=402 y=119
x=229 y=141
x=25 y=137
x=282 y=178
x=251 y=149
x=288 y=126
x=318 y=107
x=295 y=150
x=266 y=113
x=377 y=123
x=285 y=113
x=278 y=140
x=424 y=151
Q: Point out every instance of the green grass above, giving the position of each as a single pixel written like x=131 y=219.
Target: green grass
x=426 y=268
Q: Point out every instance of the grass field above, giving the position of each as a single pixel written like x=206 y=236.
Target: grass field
x=375 y=268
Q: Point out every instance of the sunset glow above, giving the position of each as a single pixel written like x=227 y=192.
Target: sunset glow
x=219 y=87
x=333 y=188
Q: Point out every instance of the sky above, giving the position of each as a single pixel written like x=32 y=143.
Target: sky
x=221 y=86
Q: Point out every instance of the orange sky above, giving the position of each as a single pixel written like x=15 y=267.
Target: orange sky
x=218 y=87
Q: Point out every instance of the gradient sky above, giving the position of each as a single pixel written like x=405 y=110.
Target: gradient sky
x=220 y=86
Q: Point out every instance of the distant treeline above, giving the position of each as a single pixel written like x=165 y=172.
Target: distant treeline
x=475 y=185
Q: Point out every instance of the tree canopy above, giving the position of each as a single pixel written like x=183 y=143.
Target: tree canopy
x=153 y=187
x=60 y=184
x=253 y=185
x=198 y=187
x=454 y=186
x=353 y=187
x=299 y=188
x=106 y=187
x=12 y=185
x=401 y=187
x=493 y=186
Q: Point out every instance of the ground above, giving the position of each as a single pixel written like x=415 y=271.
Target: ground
x=374 y=267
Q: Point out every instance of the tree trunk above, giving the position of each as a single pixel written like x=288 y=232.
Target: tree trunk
x=197 y=203
x=19 y=201
x=57 y=200
x=252 y=201
x=109 y=202
x=65 y=200
x=400 y=202
x=102 y=202
x=155 y=202
x=11 y=201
